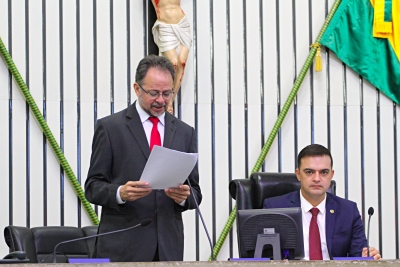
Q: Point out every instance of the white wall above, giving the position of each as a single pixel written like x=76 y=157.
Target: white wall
x=221 y=96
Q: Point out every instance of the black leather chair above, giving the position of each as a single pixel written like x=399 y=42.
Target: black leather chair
x=250 y=193
x=91 y=242
x=39 y=242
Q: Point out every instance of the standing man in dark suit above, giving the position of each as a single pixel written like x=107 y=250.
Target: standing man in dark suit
x=120 y=149
x=340 y=230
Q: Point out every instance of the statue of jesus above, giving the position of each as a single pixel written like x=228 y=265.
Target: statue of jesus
x=171 y=33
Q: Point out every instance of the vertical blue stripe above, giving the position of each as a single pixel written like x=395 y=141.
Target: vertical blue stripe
x=379 y=163
x=296 y=111
x=128 y=53
x=328 y=87
x=96 y=209
x=145 y=27
x=396 y=190
x=62 y=181
x=10 y=128
x=78 y=104
x=196 y=110
x=362 y=154
x=213 y=159
x=262 y=115
x=246 y=107
x=310 y=39
x=178 y=100
x=10 y=160
x=278 y=78
x=345 y=146
x=111 y=57
x=27 y=120
x=229 y=107
x=44 y=81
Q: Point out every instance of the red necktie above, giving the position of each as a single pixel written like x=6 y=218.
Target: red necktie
x=315 y=240
x=155 y=138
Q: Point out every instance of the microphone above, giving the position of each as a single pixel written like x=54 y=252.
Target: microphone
x=370 y=213
x=142 y=223
x=202 y=221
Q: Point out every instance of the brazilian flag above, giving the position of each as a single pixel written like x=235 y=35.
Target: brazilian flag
x=365 y=35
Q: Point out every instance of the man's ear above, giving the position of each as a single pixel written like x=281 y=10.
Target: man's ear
x=136 y=88
x=298 y=174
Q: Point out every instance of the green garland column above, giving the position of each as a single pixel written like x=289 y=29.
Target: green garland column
x=46 y=130
x=278 y=123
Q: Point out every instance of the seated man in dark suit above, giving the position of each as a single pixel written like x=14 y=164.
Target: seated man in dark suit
x=332 y=226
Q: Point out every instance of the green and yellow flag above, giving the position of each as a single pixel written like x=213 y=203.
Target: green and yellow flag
x=365 y=35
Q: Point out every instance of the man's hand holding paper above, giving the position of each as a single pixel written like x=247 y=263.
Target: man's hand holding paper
x=178 y=194
x=159 y=174
x=132 y=191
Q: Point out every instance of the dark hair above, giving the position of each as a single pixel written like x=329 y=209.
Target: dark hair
x=153 y=61
x=313 y=150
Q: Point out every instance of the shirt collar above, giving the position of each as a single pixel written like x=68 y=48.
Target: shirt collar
x=306 y=206
x=144 y=116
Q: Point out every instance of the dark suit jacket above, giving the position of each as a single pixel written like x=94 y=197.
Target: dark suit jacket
x=119 y=154
x=345 y=234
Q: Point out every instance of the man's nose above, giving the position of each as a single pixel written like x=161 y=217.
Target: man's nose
x=317 y=176
x=160 y=96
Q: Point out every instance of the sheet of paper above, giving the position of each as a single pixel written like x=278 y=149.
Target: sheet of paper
x=168 y=168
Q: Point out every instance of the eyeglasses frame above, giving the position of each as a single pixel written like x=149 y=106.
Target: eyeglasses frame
x=159 y=93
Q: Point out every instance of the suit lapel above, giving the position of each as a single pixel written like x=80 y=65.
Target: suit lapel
x=136 y=128
x=330 y=218
x=169 y=131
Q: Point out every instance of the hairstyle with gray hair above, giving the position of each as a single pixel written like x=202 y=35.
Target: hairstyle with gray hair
x=313 y=150
x=153 y=61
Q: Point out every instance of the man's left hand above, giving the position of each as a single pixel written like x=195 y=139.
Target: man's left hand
x=178 y=194
x=373 y=252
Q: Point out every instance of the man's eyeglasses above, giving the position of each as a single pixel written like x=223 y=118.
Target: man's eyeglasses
x=155 y=94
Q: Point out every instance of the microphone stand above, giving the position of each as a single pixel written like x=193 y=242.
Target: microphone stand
x=370 y=213
x=202 y=221
x=142 y=223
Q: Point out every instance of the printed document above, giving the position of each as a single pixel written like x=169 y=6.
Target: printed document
x=167 y=168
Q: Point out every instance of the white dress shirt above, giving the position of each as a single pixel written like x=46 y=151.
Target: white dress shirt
x=147 y=126
x=305 y=207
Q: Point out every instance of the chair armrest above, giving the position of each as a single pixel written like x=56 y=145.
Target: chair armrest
x=240 y=190
x=19 y=238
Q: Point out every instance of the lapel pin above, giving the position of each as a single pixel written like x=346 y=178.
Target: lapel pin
x=332 y=211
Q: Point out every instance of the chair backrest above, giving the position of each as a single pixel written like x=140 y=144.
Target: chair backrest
x=39 y=242
x=91 y=242
x=250 y=193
